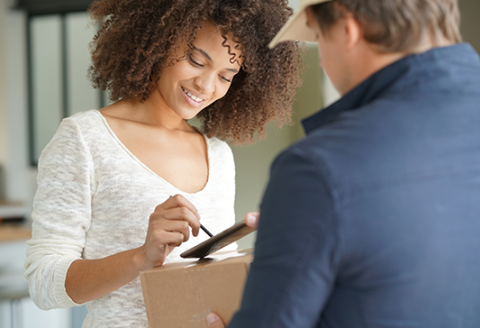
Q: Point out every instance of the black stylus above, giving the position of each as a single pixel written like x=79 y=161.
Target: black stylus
x=206 y=231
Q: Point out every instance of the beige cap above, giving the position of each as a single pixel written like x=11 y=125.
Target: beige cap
x=296 y=27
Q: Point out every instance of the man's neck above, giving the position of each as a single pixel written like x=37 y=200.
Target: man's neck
x=370 y=60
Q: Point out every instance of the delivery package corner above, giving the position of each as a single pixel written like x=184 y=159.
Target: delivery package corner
x=183 y=294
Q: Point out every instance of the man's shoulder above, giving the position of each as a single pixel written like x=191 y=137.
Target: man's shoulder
x=395 y=138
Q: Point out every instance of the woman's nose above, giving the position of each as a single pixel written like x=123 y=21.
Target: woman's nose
x=205 y=83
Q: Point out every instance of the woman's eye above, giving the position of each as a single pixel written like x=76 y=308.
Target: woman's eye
x=194 y=62
x=225 y=79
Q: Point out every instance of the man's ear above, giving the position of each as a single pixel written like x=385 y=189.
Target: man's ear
x=312 y=22
x=352 y=31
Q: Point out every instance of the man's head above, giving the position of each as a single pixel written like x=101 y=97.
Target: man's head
x=395 y=25
x=358 y=37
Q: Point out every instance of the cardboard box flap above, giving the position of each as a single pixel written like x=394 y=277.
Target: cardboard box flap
x=182 y=294
x=217 y=258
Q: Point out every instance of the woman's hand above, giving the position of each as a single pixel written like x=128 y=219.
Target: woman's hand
x=168 y=228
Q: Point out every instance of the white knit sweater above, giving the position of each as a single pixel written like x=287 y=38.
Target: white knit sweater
x=94 y=199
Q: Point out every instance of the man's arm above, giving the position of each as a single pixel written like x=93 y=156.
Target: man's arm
x=296 y=248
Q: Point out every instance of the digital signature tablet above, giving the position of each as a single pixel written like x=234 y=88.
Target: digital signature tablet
x=218 y=241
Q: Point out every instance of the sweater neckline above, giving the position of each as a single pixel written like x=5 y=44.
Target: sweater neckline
x=145 y=167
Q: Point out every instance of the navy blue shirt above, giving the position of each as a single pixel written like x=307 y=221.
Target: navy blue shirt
x=373 y=220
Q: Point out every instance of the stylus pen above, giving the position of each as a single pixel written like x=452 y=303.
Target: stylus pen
x=206 y=231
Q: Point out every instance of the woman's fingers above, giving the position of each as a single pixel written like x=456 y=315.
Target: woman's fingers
x=178 y=208
x=179 y=226
x=173 y=239
x=169 y=227
x=179 y=201
x=161 y=244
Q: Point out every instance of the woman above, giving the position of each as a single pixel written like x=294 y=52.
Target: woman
x=120 y=189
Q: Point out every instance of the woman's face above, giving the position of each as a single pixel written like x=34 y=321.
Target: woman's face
x=199 y=79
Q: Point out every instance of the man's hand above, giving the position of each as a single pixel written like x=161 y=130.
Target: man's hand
x=214 y=321
x=251 y=219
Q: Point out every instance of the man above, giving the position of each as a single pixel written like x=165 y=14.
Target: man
x=373 y=220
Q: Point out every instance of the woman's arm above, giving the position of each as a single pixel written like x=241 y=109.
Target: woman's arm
x=61 y=215
x=91 y=279
x=168 y=228
x=57 y=275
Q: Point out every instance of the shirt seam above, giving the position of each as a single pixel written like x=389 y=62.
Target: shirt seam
x=92 y=182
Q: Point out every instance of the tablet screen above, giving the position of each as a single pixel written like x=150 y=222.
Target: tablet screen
x=218 y=241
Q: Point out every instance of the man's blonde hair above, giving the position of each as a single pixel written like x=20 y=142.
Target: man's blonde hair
x=396 y=25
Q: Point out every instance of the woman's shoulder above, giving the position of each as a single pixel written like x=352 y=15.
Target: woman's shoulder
x=217 y=145
x=73 y=134
x=214 y=144
x=86 y=117
x=220 y=156
x=87 y=122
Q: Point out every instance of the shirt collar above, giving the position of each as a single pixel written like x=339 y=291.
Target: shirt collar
x=381 y=82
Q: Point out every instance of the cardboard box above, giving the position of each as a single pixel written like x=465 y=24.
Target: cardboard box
x=182 y=294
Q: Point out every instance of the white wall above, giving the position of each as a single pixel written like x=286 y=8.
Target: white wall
x=20 y=177
x=3 y=116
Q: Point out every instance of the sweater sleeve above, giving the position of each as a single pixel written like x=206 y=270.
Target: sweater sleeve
x=61 y=216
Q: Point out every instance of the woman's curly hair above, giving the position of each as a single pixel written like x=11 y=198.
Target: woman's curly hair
x=138 y=38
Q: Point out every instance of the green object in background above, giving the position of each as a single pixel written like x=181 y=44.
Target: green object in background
x=253 y=162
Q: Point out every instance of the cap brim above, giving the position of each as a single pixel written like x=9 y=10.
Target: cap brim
x=295 y=29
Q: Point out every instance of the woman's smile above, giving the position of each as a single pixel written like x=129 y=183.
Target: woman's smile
x=192 y=99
